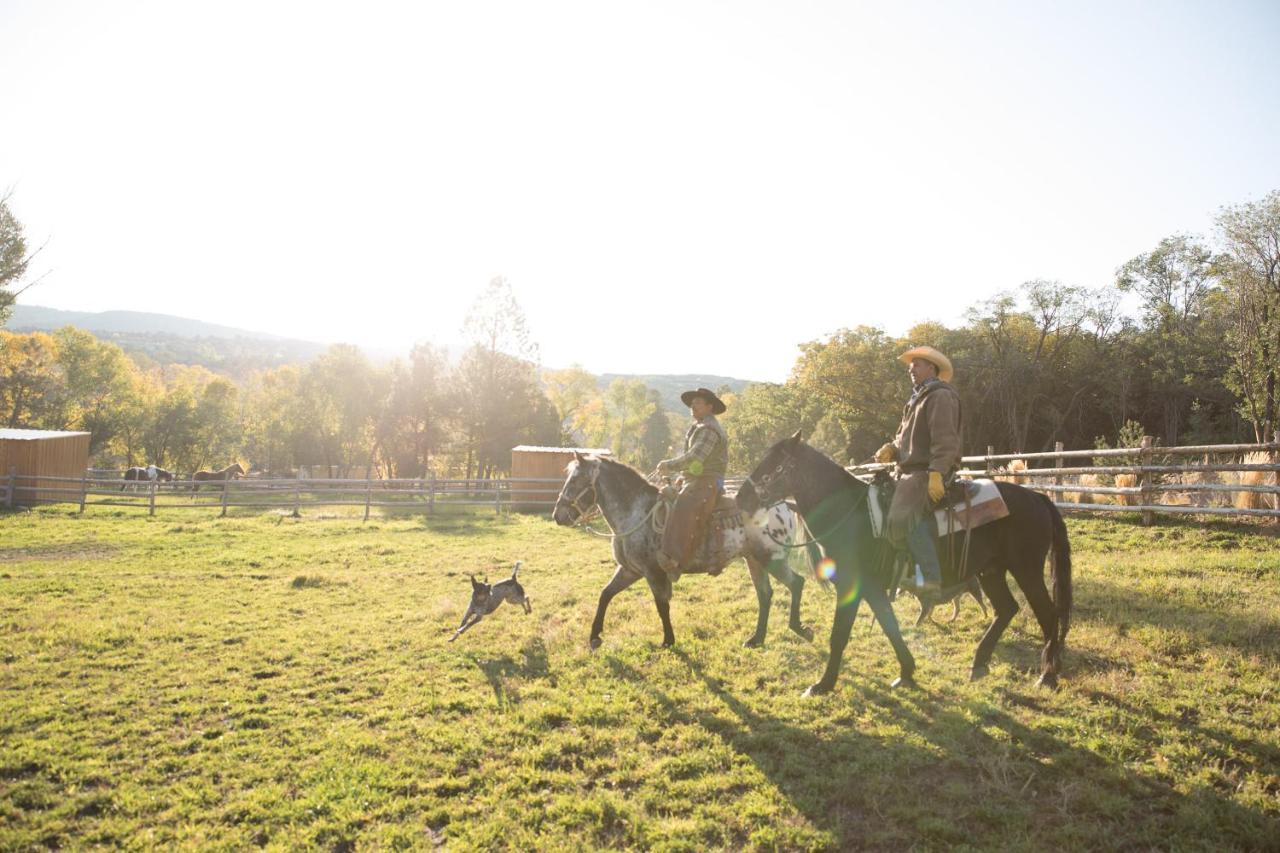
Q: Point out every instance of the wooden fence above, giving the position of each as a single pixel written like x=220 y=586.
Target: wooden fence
x=1146 y=479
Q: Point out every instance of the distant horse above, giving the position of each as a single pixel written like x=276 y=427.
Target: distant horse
x=629 y=504
x=136 y=476
x=833 y=504
x=231 y=472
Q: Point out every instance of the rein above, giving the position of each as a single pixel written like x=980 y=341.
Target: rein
x=585 y=514
x=814 y=540
x=784 y=470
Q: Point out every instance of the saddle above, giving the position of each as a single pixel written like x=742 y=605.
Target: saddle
x=966 y=505
x=722 y=538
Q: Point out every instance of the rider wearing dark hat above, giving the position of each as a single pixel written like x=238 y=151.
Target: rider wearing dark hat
x=703 y=463
x=927 y=450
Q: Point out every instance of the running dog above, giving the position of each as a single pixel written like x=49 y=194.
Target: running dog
x=486 y=598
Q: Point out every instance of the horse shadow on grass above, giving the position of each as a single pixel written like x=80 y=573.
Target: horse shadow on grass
x=532 y=663
x=957 y=772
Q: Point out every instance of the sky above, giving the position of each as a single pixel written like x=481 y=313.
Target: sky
x=669 y=187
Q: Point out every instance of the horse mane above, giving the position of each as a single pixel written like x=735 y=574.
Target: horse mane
x=846 y=476
x=625 y=471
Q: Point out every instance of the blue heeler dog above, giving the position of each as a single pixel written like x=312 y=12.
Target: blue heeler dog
x=486 y=598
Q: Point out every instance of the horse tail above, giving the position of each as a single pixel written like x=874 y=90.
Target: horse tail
x=1060 y=571
x=806 y=545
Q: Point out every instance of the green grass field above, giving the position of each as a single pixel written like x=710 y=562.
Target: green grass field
x=261 y=680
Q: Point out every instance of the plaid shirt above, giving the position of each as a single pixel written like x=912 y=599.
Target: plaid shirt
x=706 y=450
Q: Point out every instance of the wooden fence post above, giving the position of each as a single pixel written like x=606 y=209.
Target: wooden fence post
x=225 y=484
x=497 y=496
x=297 y=495
x=368 y=493
x=1056 y=497
x=1275 y=458
x=13 y=484
x=991 y=451
x=431 y=495
x=151 y=508
x=1148 y=517
x=84 y=490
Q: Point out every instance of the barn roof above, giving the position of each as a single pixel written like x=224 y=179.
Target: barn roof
x=33 y=434
x=530 y=448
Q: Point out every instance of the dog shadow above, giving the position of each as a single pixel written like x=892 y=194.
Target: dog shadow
x=532 y=663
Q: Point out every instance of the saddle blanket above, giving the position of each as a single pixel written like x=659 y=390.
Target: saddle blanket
x=985 y=506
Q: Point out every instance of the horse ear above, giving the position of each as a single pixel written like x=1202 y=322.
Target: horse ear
x=577 y=456
x=796 y=437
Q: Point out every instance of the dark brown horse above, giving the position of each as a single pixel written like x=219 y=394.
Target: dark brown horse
x=834 y=506
x=231 y=472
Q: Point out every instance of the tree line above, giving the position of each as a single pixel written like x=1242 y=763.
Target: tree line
x=1194 y=362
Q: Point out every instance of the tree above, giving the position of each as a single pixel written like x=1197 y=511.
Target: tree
x=98 y=387
x=30 y=380
x=14 y=259
x=418 y=413
x=571 y=391
x=855 y=377
x=1250 y=271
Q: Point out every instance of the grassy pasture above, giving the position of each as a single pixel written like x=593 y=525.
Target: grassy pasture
x=261 y=680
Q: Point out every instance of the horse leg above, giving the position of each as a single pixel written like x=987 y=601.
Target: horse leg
x=997 y=589
x=620 y=581
x=795 y=585
x=764 y=598
x=840 y=628
x=1037 y=594
x=660 y=585
x=878 y=601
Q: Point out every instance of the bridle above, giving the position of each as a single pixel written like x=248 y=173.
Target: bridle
x=765 y=481
x=575 y=503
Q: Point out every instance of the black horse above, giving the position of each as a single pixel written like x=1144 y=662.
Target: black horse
x=833 y=504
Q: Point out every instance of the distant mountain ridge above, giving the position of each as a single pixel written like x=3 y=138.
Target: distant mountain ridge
x=168 y=339
x=38 y=318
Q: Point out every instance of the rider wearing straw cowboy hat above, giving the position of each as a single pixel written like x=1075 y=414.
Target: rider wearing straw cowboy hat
x=927 y=450
x=704 y=463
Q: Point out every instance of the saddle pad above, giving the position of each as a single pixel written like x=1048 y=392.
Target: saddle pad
x=984 y=507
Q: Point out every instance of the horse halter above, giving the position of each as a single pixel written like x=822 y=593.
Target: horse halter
x=575 y=502
x=765 y=481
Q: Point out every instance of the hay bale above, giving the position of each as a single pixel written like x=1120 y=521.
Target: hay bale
x=1127 y=481
x=1010 y=472
x=1085 y=496
x=1255 y=500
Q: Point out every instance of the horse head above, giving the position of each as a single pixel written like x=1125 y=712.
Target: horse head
x=235 y=470
x=578 y=494
x=770 y=481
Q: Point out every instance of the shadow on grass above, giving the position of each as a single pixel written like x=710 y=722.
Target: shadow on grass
x=963 y=773
x=1249 y=634
x=533 y=663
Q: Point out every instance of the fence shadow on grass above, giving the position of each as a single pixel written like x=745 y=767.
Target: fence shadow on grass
x=1225 y=626
x=954 y=780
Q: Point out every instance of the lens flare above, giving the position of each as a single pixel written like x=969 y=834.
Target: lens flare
x=827 y=569
x=854 y=594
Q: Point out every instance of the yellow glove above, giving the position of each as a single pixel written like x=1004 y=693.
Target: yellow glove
x=886 y=453
x=936 y=491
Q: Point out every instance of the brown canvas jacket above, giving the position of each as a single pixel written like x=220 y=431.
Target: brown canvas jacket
x=929 y=436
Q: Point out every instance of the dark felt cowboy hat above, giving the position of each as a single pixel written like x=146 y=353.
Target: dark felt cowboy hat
x=717 y=407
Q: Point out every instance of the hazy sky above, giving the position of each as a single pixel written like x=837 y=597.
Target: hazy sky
x=669 y=187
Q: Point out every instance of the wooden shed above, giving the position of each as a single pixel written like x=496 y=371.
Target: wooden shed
x=543 y=463
x=30 y=454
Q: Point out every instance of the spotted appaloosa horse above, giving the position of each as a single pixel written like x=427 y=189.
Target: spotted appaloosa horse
x=834 y=506
x=231 y=472
x=628 y=502
x=135 y=476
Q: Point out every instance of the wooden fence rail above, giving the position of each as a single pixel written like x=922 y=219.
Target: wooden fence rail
x=1151 y=468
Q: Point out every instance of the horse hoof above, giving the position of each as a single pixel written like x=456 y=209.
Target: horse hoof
x=978 y=672
x=595 y=643
x=818 y=689
x=754 y=642
x=666 y=644
x=804 y=631
x=903 y=681
x=1048 y=680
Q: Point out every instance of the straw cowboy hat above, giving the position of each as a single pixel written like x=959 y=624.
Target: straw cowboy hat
x=717 y=407
x=931 y=355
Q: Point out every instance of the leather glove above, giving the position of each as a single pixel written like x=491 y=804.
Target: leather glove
x=886 y=453
x=936 y=490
